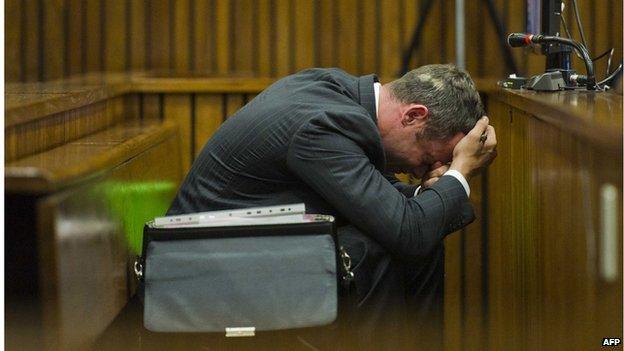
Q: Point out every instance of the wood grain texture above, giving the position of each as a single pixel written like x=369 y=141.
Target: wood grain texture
x=347 y=35
x=69 y=164
x=208 y=117
x=203 y=37
x=177 y=108
x=304 y=27
x=282 y=37
x=13 y=41
x=115 y=36
x=222 y=29
x=31 y=27
x=137 y=36
x=180 y=45
x=93 y=44
x=273 y=37
x=243 y=37
x=452 y=293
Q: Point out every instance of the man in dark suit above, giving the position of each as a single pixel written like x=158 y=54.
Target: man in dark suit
x=332 y=141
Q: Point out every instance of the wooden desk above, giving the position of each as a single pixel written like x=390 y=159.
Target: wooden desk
x=531 y=273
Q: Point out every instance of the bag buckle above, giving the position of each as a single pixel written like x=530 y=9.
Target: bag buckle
x=346 y=265
x=138 y=268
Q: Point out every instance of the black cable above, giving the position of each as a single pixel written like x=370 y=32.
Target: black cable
x=602 y=55
x=612 y=75
x=415 y=42
x=589 y=65
x=500 y=31
x=565 y=27
x=579 y=24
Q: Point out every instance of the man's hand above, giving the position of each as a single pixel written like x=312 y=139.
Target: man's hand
x=476 y=150
x=435 y=172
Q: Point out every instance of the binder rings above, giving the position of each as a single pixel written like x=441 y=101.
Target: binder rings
x=258 y=275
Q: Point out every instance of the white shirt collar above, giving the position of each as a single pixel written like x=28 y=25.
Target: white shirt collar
x=376 y=87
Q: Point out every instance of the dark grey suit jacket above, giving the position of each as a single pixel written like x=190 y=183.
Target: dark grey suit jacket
x=312 y=137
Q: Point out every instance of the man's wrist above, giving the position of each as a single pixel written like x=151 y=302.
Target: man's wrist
x=461 y=178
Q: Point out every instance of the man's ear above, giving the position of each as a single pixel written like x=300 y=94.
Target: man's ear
x=414 y=115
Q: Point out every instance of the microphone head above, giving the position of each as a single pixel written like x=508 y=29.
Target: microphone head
x=519 y=39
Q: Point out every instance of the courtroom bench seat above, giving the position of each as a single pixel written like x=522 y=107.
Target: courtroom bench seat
x=80 y=160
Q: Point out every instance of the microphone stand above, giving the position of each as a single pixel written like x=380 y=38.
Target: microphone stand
x=424 y=14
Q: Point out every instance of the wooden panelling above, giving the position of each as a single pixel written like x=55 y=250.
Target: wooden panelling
x=222 y=37
x=93 y=44
x=74 y=45
x=528 y=278
x=34 y=136
x=115 y=32
x=54 y=39
x=208 y=117
x=178 y=108
x=304 y=15
x=181 y=37
x=136 y=37
x=202 y=38
x=13 y=41
x=452 y=292
x=281 y=37
x=30 y=48
x=273 y=37
x=243 y=37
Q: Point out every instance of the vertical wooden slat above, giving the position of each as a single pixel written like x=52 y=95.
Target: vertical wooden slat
x=208 y=109
x=160 y=25
x=177 y=107
x=452 y=291
x=201 y=16
x=263 y=30
x=53 y=40
x=74 y=36
x=347 y=35
x=282 y=37
x=222 y=53
x=151 y=107
x=390 y=48
x=516 y=24
x=368 y=48
x=410 y=18
x=234 y=103
x=13 y=36
x=243 y=38
x=115 y=59
x=327 y=34
x=137 y=35
x=304 y=36
x=30 y=39
x=93 y=36
x=180 y=46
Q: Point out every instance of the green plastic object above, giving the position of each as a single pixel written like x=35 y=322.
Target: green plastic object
x=135 y=203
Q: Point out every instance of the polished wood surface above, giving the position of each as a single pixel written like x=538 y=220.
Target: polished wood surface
x=271 y=38
x=529 y=275
x=80 y=159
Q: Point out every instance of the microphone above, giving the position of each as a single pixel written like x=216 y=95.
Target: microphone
x=526 y=39
x=516 y=40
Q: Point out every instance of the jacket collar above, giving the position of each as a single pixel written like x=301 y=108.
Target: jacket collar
x=367 y=94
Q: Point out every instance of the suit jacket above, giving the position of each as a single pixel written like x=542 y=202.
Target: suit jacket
x=312 y=137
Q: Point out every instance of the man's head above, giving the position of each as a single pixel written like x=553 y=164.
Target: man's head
x=424 y=114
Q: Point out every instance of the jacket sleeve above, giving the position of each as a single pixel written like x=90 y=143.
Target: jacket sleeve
x=337 y=168
x=406 y=189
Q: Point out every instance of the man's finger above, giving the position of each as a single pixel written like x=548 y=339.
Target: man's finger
x=480 y=127
x=491 y=137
